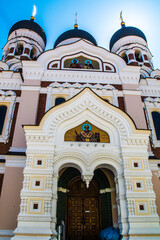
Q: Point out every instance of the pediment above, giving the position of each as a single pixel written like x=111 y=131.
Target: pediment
x=87 y=106
x=54 y=59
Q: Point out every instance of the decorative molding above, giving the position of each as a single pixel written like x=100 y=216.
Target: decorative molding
x=63 y=190
x=139 y=142
x=6 y=233
x=15 y=161
x=34 y=218
x=152 y=104
x=106 y=90
x=88 y=103
x=87 y=178
x=30 y=88
x=10 y=80
x=150 y=91
x=9 y=100
x=107 y=190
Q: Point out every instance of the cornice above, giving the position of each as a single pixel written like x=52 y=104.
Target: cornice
x=10 y=80
x=15 y=161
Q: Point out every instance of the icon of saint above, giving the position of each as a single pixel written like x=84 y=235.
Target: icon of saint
x=88 y=64
x=86 y=135
x=75 y=64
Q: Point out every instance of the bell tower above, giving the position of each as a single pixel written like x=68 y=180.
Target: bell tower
x=26 y=40
x=131 y=44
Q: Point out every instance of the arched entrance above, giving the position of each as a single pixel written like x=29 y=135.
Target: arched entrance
x=85 y=211
x=83 y=218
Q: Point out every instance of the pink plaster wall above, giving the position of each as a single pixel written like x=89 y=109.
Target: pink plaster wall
x=27 y=115
x=134 y=107
x=130 y=86
x=10 y=197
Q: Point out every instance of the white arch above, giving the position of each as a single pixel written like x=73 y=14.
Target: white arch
x=82 y=46
x=69 y=160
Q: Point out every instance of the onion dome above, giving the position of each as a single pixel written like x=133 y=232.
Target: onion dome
x=74 y=34
x=31 y=25
x=124 y=32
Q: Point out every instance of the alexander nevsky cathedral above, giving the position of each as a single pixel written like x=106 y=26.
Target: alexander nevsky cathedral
x=79 y=135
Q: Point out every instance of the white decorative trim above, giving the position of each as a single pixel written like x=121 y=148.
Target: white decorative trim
x=150 y=105
x=38 y=203
x=15 y=161
x=71 y=90
x=132 y=92
x=6 y=233
x=107 y=190
x=30 y=88
x=2 y=168
x=63 y=190
x=5 y=98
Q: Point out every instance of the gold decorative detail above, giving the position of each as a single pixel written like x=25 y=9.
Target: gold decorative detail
x=121 y=18
x=86 y=132
x=76 y=24
x=81 y=62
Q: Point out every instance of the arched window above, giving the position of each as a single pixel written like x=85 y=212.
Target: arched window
x=124 y=56
x=3 y=110
x=138 y=56
x=33 y=54
x=156 y=121
x=19 y=50
x=59 y=100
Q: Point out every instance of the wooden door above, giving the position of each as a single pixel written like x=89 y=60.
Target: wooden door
x=82 y=212
x=91 y=218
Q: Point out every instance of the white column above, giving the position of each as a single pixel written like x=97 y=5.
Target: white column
x=54 y=203
x=123 y=205
x=49 y=98
x=115 y=99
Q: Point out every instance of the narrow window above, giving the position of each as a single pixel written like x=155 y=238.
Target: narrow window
x=138 y=56
x=39 y=162
x=156 y=121
x=3 y=110
x=138 y=185
x=1 y=182
x=33 y=54
x=19 y=50
x=37 y=183
x=59 y=100
x=35 y=206
x=124 y=56
x=141 y=207
x=135 y=164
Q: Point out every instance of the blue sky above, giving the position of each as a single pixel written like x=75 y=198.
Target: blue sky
x=99 y=17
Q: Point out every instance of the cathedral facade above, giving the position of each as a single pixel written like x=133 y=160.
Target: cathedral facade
x=79 y=135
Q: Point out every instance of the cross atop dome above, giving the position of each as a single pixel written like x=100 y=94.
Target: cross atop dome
x=76 y=24
x=34 y=13
x=122 y=22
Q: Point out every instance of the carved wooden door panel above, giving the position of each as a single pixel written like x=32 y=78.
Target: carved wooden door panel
x=83 y=218
x=82 y=211
x=75 y=215
x=91 y=218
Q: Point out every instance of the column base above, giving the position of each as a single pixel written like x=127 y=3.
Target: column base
x=144 y=234
x=32 y=234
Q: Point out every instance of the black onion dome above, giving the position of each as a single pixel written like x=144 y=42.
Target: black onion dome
x=31 y=25
x=75 y=33
x=126 y=31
